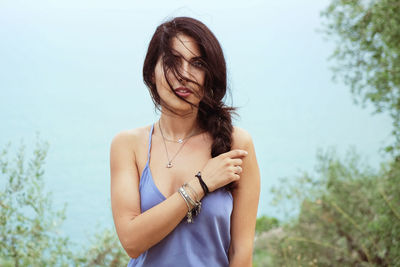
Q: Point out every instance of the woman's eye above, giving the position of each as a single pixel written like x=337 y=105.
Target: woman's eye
x=197 y=63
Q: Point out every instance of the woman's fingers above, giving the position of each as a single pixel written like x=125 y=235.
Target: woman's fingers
x=236 y=153
x=236 y=162
x=223 y=169
x=238 y=169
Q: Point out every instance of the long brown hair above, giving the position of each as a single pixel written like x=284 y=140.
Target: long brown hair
x=213 y=115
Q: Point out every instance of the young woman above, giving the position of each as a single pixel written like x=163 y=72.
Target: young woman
x=185 y=190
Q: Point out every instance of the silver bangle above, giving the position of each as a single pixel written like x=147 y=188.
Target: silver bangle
x=193 y=191
x=189 y=213
x=184 y=198
x=196 y=205
x=187 y=197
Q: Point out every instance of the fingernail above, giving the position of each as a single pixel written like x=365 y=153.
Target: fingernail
x=246 y=153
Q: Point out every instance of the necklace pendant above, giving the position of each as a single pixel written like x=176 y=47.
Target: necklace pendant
x=169 y=165
x=180 y=141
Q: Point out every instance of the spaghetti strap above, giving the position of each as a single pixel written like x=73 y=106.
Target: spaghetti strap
x=148 y=153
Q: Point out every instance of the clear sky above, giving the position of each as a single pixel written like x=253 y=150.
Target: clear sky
x=72 y=71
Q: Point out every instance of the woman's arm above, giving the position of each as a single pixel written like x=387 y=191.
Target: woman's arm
x=245 y=204
x=139 y=231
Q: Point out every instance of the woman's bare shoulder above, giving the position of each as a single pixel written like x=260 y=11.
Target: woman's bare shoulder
x=241 y=139
x=132 y=137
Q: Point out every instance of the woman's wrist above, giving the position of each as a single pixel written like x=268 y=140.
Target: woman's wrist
x=195 y=184
x=202 y=183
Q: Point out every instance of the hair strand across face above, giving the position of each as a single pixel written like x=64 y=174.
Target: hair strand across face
x=213 y=115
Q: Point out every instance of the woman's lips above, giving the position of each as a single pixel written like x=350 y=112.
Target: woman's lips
x=183 y=91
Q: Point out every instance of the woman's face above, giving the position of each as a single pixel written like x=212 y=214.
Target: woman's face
x=188 y=53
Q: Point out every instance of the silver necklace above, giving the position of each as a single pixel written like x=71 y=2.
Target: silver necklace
x=181 y=141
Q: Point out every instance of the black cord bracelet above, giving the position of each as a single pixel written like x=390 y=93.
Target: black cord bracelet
x=203 y=184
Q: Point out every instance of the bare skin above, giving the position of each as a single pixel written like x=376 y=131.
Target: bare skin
x=139 y=231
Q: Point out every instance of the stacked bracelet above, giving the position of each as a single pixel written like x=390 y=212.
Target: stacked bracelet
x=202 y=183
x=189 y=213
x=197 y=203
x=190 y=202
x=194 y=206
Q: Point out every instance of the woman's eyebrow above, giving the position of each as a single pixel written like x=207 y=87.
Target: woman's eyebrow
x=197 y=57
x=175 y=53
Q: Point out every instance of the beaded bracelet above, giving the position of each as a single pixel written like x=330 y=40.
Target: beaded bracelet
x=202 y=183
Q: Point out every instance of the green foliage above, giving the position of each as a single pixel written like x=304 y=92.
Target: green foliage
x=350 y=214
x=265 y=223
x=264 y=226
x=104 y=250
x=367 y=53
x=351 y=217
x=29 y=224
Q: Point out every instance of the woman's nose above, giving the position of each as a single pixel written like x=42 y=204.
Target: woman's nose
x=185 y=68
x=183 y=72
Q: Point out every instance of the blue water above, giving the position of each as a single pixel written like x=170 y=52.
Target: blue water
x=72 y=71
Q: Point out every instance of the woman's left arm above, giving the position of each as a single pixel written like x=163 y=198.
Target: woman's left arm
x=245 y=203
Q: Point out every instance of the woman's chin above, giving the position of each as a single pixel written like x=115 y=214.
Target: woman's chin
x=181 y=106
x=183 y=110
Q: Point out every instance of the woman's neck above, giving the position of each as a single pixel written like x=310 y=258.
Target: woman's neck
x=176 y=127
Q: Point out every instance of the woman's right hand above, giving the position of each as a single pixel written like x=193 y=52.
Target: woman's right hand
x=223 y=169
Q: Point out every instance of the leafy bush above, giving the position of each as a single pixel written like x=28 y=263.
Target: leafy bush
x=104 y=249
x=265 y=223
x=366 y=55
x=349 y=217
x=29 y=224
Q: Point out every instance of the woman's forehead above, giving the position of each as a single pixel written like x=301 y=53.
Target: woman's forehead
x=185 y=45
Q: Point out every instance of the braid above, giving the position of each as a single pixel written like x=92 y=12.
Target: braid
x=217 y=121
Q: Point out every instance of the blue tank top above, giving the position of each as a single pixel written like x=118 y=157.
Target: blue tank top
x=205 y=242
